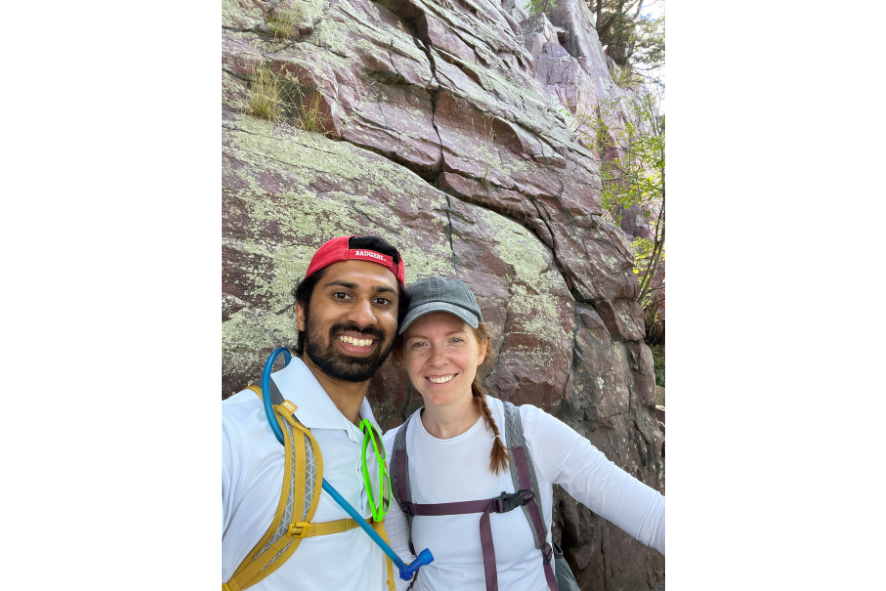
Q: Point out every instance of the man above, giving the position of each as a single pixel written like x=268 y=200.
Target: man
x=347 y=311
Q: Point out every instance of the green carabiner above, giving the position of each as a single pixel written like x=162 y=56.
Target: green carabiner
x=384 y=501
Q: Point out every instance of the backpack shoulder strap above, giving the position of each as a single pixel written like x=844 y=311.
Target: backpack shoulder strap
x=516 y=439
x=524 y=478
x=302 y=481
x=399 y=475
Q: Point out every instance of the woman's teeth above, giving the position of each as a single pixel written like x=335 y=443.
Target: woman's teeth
x=441 y=379
x=355 y=342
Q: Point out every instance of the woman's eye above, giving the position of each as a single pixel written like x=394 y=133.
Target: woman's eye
x=417 y=344
x=457 y=340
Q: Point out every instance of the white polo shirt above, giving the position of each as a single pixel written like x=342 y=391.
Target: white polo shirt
x=252 y=478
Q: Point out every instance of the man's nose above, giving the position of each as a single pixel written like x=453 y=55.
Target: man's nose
x=363 y=314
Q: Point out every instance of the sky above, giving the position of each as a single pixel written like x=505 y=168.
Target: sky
x=656 y=9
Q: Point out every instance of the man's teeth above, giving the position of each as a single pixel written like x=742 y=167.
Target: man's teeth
x=441 y=379
x=356 y=342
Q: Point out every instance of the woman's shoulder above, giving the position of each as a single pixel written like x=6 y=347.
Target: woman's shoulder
x=536 y=422
x=533 y=420
x=527 y=411
x=391 y=434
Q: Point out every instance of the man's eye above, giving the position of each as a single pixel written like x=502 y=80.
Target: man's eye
x=340 y=295
x=382 y=301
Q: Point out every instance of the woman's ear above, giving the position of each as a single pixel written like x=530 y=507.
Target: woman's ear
x=484 y=351
x=397 y=353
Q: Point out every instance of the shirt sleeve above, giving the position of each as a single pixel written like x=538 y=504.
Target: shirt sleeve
x=568 y=459
x=396 y=523
x=231 y=459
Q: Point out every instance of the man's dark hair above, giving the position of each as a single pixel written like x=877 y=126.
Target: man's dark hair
x=305 y=288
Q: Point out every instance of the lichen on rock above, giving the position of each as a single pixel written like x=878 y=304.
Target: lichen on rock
x=450 y=132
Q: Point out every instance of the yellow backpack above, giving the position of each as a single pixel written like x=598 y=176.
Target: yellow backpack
x=302 y=482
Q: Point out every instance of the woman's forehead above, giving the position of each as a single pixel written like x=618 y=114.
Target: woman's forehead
x=436 y=323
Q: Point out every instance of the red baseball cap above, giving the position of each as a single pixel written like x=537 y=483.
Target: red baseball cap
x=337 y=250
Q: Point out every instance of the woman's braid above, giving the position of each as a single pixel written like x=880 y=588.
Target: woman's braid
x=498 y=457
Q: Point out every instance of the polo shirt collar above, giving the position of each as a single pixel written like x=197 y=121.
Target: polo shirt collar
x=315 y=409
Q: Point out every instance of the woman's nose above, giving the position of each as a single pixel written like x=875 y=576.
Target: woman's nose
x=438 y=357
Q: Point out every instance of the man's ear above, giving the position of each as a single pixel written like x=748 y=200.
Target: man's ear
x=299 y=316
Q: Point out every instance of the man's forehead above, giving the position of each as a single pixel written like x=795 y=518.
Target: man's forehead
x=360 y=275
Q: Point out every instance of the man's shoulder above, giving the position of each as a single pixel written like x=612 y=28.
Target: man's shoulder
x=245 y=427
x=242 y=408
x=242 y=399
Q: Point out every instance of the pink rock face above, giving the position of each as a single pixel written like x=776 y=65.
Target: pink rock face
x=623 y=318
x=448 y=128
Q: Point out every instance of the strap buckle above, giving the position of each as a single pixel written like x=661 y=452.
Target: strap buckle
x=508 y=502
x=299 y=530
x=548 y=553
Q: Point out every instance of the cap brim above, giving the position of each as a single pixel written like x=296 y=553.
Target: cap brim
x=424 y=309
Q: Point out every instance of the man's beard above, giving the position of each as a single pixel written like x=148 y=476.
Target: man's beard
x=338 y=365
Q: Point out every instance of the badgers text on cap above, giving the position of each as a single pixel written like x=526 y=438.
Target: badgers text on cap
x=369 y=253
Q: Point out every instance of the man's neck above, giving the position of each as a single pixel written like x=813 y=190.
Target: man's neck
x=347 y=396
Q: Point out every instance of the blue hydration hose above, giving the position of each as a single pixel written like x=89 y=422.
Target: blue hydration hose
x=406 y=571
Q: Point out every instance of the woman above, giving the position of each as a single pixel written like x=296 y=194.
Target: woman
x=456 y=454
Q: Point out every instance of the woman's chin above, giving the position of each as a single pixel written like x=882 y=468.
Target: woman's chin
x=442 y=399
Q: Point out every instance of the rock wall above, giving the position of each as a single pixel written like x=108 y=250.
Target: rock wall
x=448 y=132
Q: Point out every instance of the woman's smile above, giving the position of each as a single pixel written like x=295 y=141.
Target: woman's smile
x=441 y=379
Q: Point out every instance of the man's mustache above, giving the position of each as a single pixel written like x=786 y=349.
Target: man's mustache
x=370 y=331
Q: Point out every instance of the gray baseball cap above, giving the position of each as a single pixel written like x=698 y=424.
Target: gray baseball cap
x=436 y=294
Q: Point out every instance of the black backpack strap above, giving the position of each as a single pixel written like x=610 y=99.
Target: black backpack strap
x=276 y=396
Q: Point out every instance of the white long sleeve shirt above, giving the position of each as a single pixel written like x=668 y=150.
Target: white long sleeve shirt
x=252 y=477
x=457 y=469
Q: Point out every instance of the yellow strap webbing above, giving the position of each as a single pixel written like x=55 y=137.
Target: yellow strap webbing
x=255 y=566
x=308 y=530
x=379 y=527
x=259 y=564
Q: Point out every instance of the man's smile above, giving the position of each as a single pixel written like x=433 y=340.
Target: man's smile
x=360 y=344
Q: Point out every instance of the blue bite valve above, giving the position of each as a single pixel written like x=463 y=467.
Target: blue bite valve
x=424 y=557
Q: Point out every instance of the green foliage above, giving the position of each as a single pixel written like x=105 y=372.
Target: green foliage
x=626 y=77
x=649 y=48
x=637 y=176
x=284 y=21
x=644 y=255
x=539 y=6
x=634 y=41
x=264 y=96
x=282 y=98
x=310 y=117
x=627 y=35
x=629 y=144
